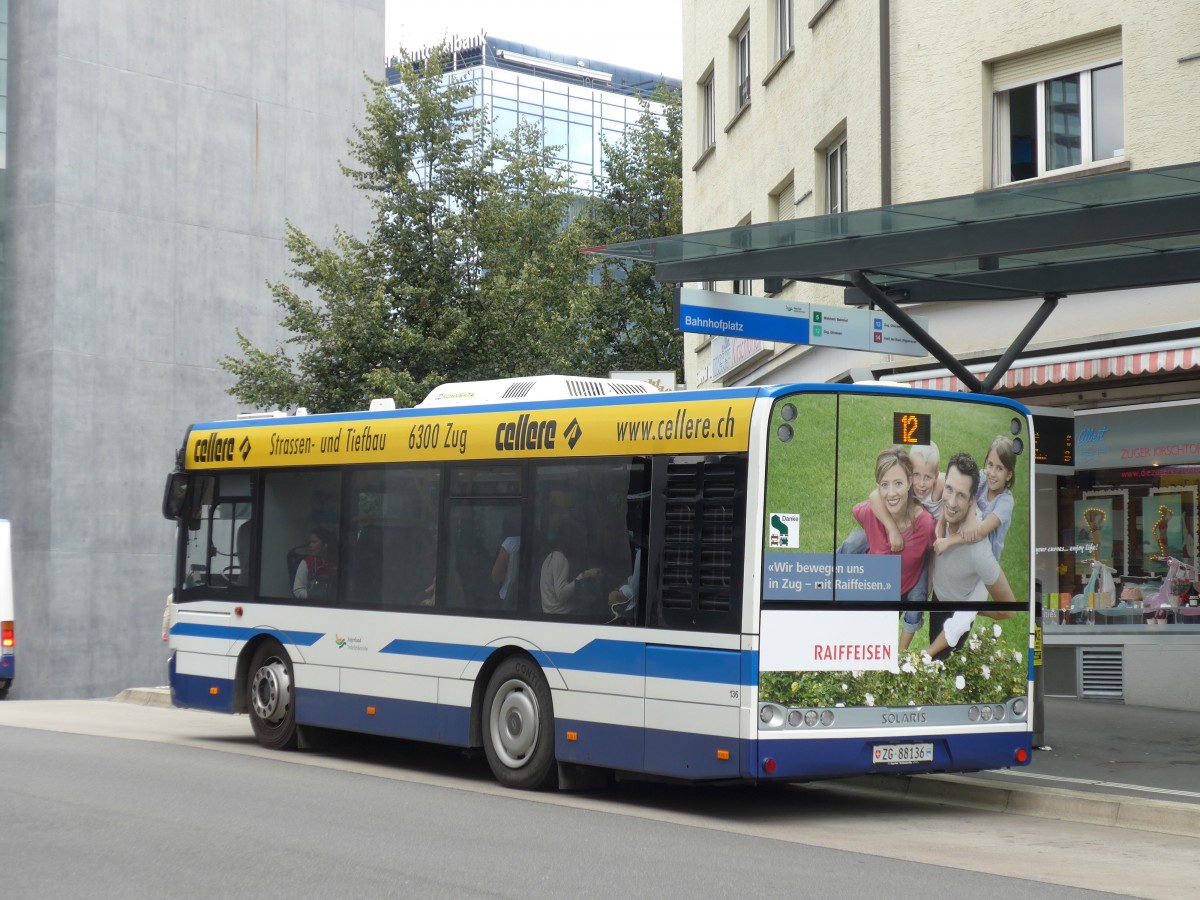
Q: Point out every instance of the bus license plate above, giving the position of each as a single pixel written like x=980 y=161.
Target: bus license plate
x=902 y=754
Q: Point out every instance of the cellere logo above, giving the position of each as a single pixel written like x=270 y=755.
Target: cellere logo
x=244 y=446
x=573 y=433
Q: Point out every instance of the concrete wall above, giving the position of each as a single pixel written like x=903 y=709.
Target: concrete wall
x=941 y=96
x=157 y=149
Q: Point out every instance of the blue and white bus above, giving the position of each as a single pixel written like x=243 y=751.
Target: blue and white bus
x=8 y=634
x=577 y=574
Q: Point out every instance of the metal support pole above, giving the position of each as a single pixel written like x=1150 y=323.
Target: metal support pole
x=918 y=334
x=1049 y=304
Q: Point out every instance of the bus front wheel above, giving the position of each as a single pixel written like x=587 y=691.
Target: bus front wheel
x=518 y=721
x=270 y=688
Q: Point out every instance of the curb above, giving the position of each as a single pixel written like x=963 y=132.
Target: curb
x=145 y=696
x=1139 y=814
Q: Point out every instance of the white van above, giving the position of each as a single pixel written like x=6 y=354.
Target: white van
x=7 y=635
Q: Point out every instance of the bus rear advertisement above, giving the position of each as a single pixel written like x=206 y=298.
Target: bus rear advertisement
x=584 y=577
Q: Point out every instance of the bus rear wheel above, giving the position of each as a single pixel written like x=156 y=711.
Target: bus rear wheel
x=270 y=688
x=518 y=726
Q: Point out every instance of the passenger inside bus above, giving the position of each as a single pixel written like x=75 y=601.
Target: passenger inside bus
x=316 y=576
x=562 y=593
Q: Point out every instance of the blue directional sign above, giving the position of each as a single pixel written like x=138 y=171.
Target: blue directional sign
x=738 y=315
x=794 y=322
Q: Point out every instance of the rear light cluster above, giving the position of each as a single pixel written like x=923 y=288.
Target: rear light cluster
x=7 y=637
x=772 y=715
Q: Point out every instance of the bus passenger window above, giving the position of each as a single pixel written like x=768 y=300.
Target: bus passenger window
x=301 y=537
x=484 y=539
x=589 y=529
x=390 y=548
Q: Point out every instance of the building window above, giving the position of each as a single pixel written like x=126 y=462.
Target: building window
x=835 y=177
x=783 y=28
x=743 y=67
x=708 y=134
x=1058 y=108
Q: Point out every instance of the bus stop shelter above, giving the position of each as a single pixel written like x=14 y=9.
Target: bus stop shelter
x=1049 y=240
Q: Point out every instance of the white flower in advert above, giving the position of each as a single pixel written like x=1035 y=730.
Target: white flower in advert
x=1017 y=656
x=960 y=682
x=869 y=700
x=985 y=672
x=997 y=631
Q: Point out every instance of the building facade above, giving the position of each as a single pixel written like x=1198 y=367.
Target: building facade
x=796 y=108
x=155 y=153
x=579 y=103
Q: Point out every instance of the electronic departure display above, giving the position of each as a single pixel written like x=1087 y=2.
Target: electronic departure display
x=910 y=428
x=1054 y=440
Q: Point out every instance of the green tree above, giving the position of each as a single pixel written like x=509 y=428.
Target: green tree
x=628 y=323
x=533 y=279
x=471 y=268
x=388 y=315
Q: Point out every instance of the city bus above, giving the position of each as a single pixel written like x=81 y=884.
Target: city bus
x=583 y=577
x=8 y=636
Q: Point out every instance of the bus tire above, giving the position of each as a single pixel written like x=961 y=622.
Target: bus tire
x=271 y=697
x=518 y=726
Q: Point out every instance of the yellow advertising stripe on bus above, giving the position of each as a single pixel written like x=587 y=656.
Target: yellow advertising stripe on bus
x=705 y=426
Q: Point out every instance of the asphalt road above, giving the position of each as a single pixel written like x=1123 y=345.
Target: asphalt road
x=106 y=800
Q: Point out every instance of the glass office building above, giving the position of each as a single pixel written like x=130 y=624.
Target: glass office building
x=578 y=102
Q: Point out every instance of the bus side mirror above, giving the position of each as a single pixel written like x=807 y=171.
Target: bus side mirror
x=186 y=496
x=175 y=496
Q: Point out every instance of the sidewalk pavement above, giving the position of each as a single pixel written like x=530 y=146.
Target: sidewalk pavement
x=1104 y=763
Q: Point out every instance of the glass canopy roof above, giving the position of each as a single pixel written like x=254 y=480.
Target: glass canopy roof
x=1102 y=232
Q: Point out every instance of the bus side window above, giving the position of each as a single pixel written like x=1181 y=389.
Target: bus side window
x=389 y=551
x=483 y=516
x=585 y=561
x=301 y=530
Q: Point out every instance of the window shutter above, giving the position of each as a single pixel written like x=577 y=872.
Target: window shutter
x=1059 y=59
x=787 y=202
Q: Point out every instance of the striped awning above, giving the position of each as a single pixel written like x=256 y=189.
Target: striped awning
x=1146 y=359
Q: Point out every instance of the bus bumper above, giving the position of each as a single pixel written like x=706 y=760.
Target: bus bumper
x=803 y=760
